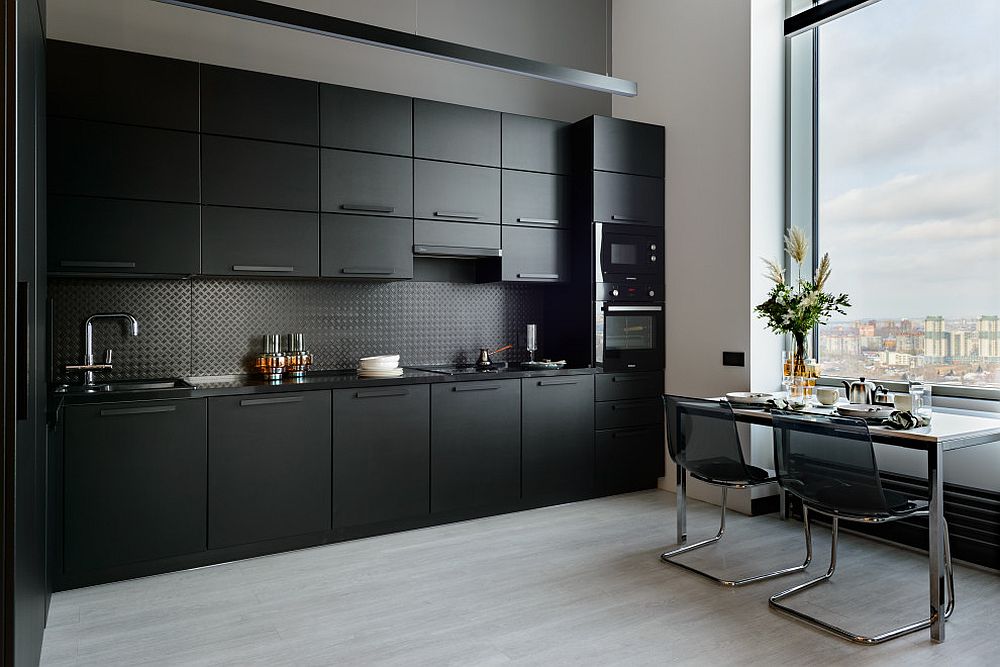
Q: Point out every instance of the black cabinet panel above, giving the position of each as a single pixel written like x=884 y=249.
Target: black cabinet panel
x=381 y=454
x=134 y=482
x=456 y=192
x=366 y=184
x=475 y=444
x=629 y=459
x=628 y=147
x=105 y=84
x=540 y=200
x=535 y=144
x=455 y=133
x=356 y=246
x=633 y=200
x=259 y=106
x=243 y=241
x=365 y=120
x=107 y=160
x=94 y=235
x=260 y=174
x=557 y=438
x=637 y=412
x=269 y=467
x=623 y=386
x=535 y=255
x=430 y=236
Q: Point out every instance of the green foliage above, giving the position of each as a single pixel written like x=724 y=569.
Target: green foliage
x=797 y=311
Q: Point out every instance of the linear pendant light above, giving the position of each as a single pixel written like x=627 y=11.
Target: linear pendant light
x=331 y=26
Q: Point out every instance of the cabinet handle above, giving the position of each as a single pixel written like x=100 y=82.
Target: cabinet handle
x=490 y=387
x=376 y=393
x=263 y=269
x=539 y=276
x=458 y=214
x=630 y=434
x=623 y=406
x=627 y=378
x=87 y=264
x=360 y=270
x=251 y=402
x=637 y=309
x=372 y=208
x=549 y=383
x=137 y=411
x=539 y=221
x=625 y=218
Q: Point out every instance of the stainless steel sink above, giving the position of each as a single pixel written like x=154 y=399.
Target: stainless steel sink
x=128 y=385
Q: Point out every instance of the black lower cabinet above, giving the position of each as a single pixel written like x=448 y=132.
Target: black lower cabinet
x=629 y=459
x=269 y=467
x=381 y=455
x=134 y=482
x=557 y=439
x=475 y=445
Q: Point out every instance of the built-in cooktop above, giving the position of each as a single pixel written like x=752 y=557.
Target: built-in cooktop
x=498 y=367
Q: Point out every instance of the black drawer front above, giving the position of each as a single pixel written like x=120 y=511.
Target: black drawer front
x=366 y=184
x=535 y=255
x=622 y=386
x=365 y=120
x=624 y=414
x=242 y=242
x=631 y=200
x=456 y=192
x=428 y=235
x=455 y=133
x=535 y=144
x=366 y=247
x=121 y=161
x=258 y=106
x=628 y=147
x=537 y=200
x=629 y=459
x=259 y=174
x=91 y=235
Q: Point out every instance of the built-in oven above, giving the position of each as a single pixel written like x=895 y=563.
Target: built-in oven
x=628 y=337
x=628 y=262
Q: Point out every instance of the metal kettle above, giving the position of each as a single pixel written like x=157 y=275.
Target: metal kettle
x=484 y=362
x=861 y=391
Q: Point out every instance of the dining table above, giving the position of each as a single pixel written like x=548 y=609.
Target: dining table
x=948 y=430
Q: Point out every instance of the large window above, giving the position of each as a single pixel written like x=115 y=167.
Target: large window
x=904 y=137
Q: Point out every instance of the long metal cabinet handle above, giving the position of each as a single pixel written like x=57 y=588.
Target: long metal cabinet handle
x=361 y=270
x=458 y=214
x=250 y=402
x=624 y=406
x=375 y=393
x=372 y=208
x=539 y=221
x=638 y=309
x=630 y=434
x=539 y=276
x=627 y=378
x=490 y=387
x=470 y=251
x=87 y=264
x=625 y=218
x=115 y=412
x=263 y=269
x=549 y=383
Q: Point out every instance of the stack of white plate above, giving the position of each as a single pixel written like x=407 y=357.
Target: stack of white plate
x=381 y=366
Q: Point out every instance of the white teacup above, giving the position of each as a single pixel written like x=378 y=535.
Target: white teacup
x=827 y=395
x=902 y=402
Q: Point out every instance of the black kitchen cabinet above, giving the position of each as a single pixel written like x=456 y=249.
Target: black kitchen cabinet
x=557 y=439
x=122 y=161
x=634 y=412
x=246 y=242
x=259 y=174
x=456 y=133
x=629 y=459
x=356 y=246
x=109 y=236
x=269 y=467
x=624 y=386
x=259 y=106
x=475 y=445
x=535 y=144
x=381 y=454
x=456 y=192
x=538 y=200
x=95 y=83
x=631 y=200
x=535 y=255
x=628 y=147
x=431 y=237
x=366 y=184
x=134 y=482
x=365 y=120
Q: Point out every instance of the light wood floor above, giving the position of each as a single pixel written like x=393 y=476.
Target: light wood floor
x=578 y=584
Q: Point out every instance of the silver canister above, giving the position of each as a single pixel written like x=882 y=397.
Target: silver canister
x=298 y=358
x=271 y=362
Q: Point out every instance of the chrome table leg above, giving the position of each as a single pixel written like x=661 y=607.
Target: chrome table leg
x=935 y=484
x=681 y=505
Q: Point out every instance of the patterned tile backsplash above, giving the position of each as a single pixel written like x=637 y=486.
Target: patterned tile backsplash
x=207 y=326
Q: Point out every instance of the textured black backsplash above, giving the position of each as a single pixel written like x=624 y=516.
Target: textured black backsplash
x=213 y=326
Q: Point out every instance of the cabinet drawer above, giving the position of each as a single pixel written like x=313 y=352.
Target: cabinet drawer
x=243 y=241
x=365 y=120
x=456 y=192
x=635 y=412
x=455 y=238
x=456 y=133
x=538 y=200
x=629 y=147
x=535 y=255
x=632 y=200
x=622 y=386
x=353 y=246
x=629 y=459
x=366 y=184
x=260 y=174
x=534 y=144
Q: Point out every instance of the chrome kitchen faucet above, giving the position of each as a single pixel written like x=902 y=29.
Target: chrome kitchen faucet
x=88 y=366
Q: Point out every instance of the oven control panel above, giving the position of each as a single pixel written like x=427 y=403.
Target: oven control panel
x=628 y=290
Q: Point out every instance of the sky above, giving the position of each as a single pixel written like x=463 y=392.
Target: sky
x=909 y=159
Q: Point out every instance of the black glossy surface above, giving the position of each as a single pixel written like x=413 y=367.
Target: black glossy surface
x=247 y=242
x=366 y=183
x=628 y=147
x=535 y=255
x=623 y=386
x=456 y=133
x=439 y=234
x=541 y=200
x=259 y=174
x=628 y=459
x=626 y=199
x=534 y=144
x=362 y=246
x=635 y=412
x=457 y=192
x=365 y=120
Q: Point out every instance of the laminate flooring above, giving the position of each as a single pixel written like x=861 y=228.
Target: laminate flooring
x=577 y=584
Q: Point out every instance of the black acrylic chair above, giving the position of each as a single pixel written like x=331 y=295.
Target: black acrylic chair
x=703 y=440
x=829 y=464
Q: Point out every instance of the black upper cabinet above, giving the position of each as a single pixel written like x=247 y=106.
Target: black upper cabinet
x=365 y=120
x=431 y=237
x=455 y=133
x=534 y=199
x=366 y=184
x=259 y=106
x=628 y=147
x=630 y=200
x=259 y=174
x=92 y=235
x=104 y=84
x=242 y=242
x=535 y=255
x=456 y=192
x=535 y=144
x=354 y=246
x=121 y=161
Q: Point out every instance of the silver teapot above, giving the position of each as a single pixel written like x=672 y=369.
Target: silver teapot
x=861 y=391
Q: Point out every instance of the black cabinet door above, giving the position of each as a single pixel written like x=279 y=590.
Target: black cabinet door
x=535 y=144
x=431 y=237
x=632 y=200
x=355 y=246
x=122 y=161
x=105 y=84
x=628 y=147
x=475 y=445
x=366 y=184
x=365 y=120
x=381 y=454
x=268 y=466
x=623 y=386
x=92 y=235
x=635 y=412
x=535 y=255
x=259 y=106
x=455 y=133
x=245 y=241
x=259 y=174
x=629 y=459
x=557 y=438
x=456 y=192
x=134 y=482
x=539 y=200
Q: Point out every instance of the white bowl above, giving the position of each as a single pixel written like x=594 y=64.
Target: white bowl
x=378 y=365
x=382 y=357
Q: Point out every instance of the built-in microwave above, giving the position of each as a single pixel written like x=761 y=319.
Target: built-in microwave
x=628 y=262
x=629 y=337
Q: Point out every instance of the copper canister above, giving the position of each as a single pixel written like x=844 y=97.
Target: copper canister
x=297 y=358
x=271 y=363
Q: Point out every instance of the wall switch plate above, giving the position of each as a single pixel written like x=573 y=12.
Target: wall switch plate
x=733 y=359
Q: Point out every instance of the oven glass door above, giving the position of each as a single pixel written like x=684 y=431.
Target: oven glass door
x=629 y=337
